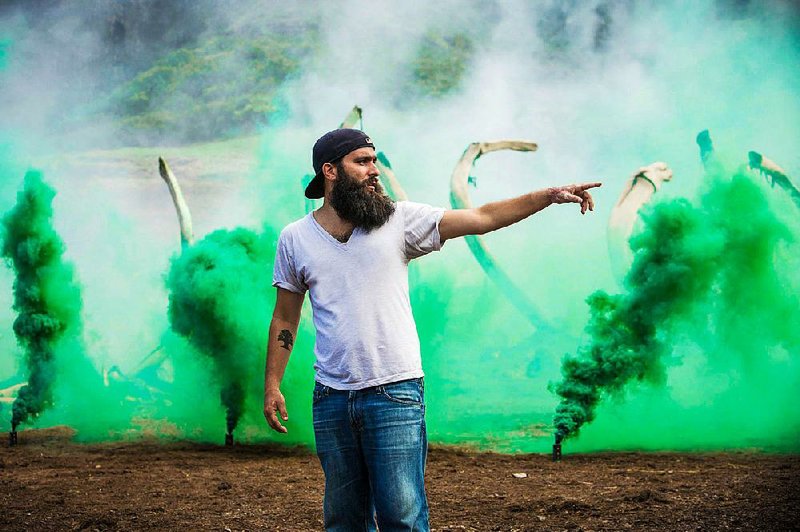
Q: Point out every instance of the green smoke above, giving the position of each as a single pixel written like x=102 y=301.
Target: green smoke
x=4 y=45
x=547 y=74
x=705 y=273
x=46 y=295
x=219 y=301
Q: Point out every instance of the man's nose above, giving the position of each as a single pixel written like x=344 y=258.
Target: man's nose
x=373 y=170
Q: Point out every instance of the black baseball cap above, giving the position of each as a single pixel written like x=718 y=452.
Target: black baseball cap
x=329 y=147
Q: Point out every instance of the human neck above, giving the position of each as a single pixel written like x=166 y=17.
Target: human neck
x=327 y=217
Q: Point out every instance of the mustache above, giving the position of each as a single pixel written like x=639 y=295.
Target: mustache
x=373 y=182
x=368 y=209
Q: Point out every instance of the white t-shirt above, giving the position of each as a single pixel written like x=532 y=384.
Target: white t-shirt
x=366 y=335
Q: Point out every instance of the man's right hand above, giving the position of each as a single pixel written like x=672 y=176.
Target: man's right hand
x=574 y=194
x=275 y=404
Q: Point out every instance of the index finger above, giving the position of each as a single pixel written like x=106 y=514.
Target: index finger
x=586 y=186
x=272 y=421
x=270 y=412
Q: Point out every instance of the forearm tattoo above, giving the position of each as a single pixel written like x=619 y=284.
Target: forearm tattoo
x=286 y=337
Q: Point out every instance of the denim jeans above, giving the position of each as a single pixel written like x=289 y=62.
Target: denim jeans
x=372 y=446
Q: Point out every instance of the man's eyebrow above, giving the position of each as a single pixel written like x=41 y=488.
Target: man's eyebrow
x=362 y=158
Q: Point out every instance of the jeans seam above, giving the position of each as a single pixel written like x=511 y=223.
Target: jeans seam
x=403 y=401
x=421 y=403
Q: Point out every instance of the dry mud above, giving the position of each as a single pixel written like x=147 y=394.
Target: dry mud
x=48 y=482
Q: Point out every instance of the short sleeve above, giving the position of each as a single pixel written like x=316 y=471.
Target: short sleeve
x=284 y=274
x=421 y=228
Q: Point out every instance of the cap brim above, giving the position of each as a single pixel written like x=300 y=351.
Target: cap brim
x=316 y=188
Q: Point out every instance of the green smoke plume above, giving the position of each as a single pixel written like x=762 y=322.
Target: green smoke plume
x=219 y=301
x=546 y=73
x=705 y=272
x=46 y=295
x=3 y=53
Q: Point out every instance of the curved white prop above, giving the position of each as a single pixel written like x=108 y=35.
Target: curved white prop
x=184 y=216
x=9 y=395
x=775 y=175
x=388 y=178
x=638 y=191
x=459 y=199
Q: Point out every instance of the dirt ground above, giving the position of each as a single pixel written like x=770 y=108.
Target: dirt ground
x=47 y=482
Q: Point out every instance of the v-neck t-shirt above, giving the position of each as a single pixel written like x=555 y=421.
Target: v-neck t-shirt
x=366 y=335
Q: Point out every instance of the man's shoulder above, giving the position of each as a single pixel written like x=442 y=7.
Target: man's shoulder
x=411 y=210
x=295 y=227
x=410 y=207
x=406 y=205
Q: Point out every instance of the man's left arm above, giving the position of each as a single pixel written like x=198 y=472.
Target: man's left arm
x=499 y=214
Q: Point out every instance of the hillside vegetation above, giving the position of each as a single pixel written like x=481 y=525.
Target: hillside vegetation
x=224 y=87
x=229 y=86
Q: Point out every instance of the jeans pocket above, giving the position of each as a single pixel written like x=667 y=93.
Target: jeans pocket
x=405 y=392
x=320 y=392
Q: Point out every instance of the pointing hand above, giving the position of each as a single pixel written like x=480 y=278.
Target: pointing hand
x=574 y=194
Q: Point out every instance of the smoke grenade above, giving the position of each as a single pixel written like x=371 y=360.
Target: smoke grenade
x=705 y=270
x=557 y=449
x=219 y=302
x=46 y=298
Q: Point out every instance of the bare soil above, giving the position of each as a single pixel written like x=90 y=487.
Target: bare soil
x=48 y=482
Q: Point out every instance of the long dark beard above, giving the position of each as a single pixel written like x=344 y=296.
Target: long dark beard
x=354 y=202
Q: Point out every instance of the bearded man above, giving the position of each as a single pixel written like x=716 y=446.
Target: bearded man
x=352 y=256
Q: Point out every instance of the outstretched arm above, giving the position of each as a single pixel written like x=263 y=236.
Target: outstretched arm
x=282 y=330
x=498 y=214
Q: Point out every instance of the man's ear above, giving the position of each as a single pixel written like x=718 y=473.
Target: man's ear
x=329 y=171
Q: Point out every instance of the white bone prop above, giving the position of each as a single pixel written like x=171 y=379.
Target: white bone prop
x=459 y=199
x=184 y=216
x=158 y=356
x=355 y=116
x=9 y=395
x=388 y=178
x=775 y=175
x=638 y=191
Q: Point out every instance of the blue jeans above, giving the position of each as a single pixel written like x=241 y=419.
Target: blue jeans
x=372 y=446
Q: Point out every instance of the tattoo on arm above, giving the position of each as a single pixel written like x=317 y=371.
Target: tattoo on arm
x=286 y=337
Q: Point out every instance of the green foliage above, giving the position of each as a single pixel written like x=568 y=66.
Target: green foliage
x=441 y=62
x=225 y=86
